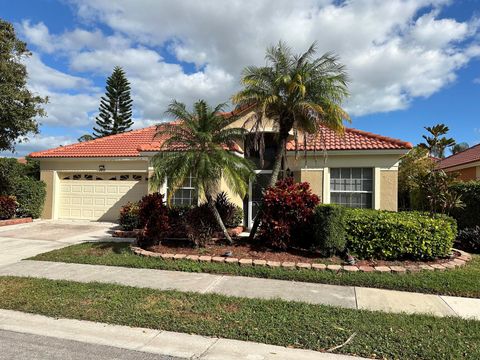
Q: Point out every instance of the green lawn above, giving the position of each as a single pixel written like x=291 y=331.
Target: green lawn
x=316 y=327
x=459 y=282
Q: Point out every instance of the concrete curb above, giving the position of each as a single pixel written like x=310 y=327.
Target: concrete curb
x=154 y=341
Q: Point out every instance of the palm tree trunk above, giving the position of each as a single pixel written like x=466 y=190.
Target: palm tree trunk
x=277 y=165
x=218 y=218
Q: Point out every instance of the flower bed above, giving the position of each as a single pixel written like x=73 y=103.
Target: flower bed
x=245 y=255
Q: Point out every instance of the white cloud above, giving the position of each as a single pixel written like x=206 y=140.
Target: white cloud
x=392 y=54
x=38 y=143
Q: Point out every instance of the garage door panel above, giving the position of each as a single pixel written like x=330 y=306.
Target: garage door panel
x=97 y=199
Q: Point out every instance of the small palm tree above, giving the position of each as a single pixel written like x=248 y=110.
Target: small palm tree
x=298 y=92
x=203 y=143
x=437 y=144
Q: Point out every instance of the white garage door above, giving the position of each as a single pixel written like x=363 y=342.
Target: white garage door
x=99 y=196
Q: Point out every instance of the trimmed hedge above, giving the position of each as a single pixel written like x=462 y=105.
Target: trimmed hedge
x=30 y=194
x=329 y=229
x=129 y=218
x=402 y=235
x=469 y=216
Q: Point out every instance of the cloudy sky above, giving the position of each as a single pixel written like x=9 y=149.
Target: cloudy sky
x=412 y=63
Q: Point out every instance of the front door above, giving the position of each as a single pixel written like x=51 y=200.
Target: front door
x=256 y=188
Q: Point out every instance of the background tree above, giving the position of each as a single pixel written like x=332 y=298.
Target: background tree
x=204 y=140
x=300 y=93
x=86 y=137
x=19 y=107
x=115 y=107
x=459 y=147
x=437 y=144
x=414 y=165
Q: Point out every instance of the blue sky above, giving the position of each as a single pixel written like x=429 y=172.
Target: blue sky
x=411 y=63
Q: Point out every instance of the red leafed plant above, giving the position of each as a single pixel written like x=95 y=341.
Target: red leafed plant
x=8 y=207
x=153 y=217
x=286 y=210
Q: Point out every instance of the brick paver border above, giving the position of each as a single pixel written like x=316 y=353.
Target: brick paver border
x=461 y=259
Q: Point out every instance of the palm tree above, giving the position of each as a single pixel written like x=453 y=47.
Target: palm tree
x=300 y=93
x=204 y=142
x=437 y=144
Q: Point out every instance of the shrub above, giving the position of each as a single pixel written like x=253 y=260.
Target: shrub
x=231 y=214
x=8 y=207
x=30 y=194
x=10 y=171
x=200 y=225
x=469 y=239
x=286 y=208
x=329 y=235
x=403 y=235
x=129 y=216
x=469 y=216
x=153 y=218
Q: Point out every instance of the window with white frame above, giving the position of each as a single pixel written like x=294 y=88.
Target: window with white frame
x=186 y=194
x=351 y=187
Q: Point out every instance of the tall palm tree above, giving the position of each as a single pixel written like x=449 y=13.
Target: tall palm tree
x=300 y=93
x=204 y=142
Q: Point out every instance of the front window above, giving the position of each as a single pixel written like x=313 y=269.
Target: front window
x=186 y=194
x=351 y=187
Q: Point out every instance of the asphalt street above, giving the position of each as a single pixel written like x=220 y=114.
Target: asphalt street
x=18 y=346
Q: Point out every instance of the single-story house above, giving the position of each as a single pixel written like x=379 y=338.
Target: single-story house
x=93 y=179
x=466 y=163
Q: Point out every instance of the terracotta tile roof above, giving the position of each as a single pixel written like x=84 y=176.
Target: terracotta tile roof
x=120 y=145
x=352 y=139
x=130 y=144
x=467 y=156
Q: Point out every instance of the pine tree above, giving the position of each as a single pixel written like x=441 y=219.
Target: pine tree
x=115 y=107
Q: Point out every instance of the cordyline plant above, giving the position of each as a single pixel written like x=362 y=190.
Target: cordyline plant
x=287 y=208
x=299 y=93
x=205 y=146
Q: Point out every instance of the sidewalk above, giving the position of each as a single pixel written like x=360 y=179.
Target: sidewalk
x=342 y=296
x=154 y=341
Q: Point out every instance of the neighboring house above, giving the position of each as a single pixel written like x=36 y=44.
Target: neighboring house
x=466 y=163
x=93 y=179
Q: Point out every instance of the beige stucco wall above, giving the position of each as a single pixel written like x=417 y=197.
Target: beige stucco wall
x=48 y=177
x=389 y=190
x=315 y=179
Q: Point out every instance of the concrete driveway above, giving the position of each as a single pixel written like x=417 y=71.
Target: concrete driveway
x=18 y=242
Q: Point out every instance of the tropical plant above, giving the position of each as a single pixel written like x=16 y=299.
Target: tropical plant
x=437 y=144
x=413 y=166
x=300 y=93
x=459 y=147
x=436 y=186
x=287 y=213
x=204 y=143
x=19 y=106
x=115 y=107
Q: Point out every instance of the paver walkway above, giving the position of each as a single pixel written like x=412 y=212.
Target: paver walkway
x=342 y=296
x=179 y=345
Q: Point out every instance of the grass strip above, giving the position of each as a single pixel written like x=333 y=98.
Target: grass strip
x=299 y=325
x=463 y=281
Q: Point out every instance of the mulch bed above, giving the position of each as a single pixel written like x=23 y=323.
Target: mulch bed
x=243 y=249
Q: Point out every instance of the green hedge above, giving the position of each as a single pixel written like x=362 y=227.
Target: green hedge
x=402 y=235
x=30 y=194
x=469 y=216
x=329 y=229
